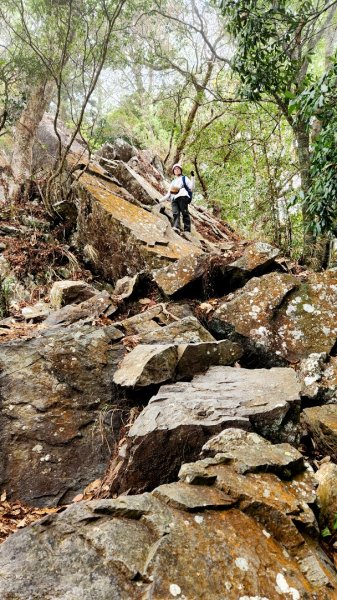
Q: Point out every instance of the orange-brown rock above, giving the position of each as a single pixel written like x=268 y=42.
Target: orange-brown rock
x=124 y=237
x=234 y=538
x=321 y=423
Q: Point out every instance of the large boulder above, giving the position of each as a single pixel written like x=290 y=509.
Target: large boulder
x=327 y=494
x=56 y=390
x=120 y=149
x=183 y=416
x=281 y=504
x=235 y=538
x=124 y=238
x=321 y=423
x=282 y=315
x=258 y=258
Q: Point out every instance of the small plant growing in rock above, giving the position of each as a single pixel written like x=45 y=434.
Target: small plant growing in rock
x=326 y=532
x=5 y=294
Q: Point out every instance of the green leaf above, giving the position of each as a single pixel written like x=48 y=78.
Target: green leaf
x=326 y=532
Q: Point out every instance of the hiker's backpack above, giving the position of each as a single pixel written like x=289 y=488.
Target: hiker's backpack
x=190 y=194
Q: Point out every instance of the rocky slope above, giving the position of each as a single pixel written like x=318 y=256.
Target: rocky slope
x=202 y=358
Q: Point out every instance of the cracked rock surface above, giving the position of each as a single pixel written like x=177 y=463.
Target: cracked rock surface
x=183 y=416
x=53 y=389
x=229 y=535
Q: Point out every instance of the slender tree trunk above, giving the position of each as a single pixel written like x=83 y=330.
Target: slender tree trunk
x=200 y=91
x=201 y=179
x=26 y=129
x=303 y=154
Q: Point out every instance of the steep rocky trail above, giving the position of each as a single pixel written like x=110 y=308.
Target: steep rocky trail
x=203 y=358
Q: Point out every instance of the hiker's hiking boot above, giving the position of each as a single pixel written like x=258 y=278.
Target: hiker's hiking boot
x=176 y=229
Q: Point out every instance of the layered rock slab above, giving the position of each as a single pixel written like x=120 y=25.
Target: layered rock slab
x=251 y=453
x=182 y=541
x=70 y=292
x=54 y=390
x=124 y=237
x=151 y=364
x=282 y=506
x=183 y=416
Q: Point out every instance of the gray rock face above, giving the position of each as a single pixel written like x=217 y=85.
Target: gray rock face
x=234 y=539
x=46 y=146
x=70 y=292
x=147 y=365
x=251 y=453
x=280 y=314
x=97 y=305
x=255 y=260
x=184 y=331
x=182 y=417
x=54 y=391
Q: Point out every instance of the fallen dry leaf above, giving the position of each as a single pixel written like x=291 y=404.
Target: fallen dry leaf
x=15 y=515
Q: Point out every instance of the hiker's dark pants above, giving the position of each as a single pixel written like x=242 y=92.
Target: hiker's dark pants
x=180 y=207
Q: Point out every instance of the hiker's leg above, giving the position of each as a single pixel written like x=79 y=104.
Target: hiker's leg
x=185 y=213
x=176 y=213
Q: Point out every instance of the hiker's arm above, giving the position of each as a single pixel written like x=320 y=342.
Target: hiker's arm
x=190 y=182
x=166 y=197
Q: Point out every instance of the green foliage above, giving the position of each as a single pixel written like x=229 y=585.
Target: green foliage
x=267 y=56
x=325 y=532
x=319 y=102
x=6 y=284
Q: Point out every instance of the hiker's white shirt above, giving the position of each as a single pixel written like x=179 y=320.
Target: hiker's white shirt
x=178 y=183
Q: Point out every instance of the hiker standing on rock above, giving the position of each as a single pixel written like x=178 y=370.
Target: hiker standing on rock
x=180 y=193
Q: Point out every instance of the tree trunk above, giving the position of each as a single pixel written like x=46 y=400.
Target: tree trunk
x=200 y=89
x=303 y=154
x=26 y=129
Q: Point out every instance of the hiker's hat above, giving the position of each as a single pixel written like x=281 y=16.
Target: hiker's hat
x=177 y=165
